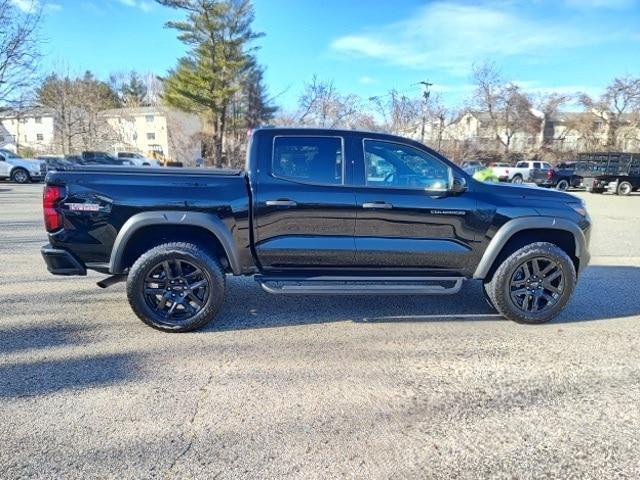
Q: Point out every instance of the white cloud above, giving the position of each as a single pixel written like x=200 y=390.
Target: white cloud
x=451 y=36
x=144 y=5
x=30 y=6
x=53 y=7
x=613 y=4
x=367 y=80
x=26 y=6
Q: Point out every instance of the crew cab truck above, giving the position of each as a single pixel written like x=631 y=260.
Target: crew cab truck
x=521 y=172
x=316 y=211
x=609 y=171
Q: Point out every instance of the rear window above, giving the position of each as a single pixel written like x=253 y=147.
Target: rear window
x=309 y=159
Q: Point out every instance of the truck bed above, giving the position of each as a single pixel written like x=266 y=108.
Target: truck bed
x=99 y=200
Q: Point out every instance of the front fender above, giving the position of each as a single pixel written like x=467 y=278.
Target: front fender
x=529 y=223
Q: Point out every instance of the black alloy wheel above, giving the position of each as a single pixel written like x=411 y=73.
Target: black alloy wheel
x=537 y=284
x=176 y=290
x=176 y=287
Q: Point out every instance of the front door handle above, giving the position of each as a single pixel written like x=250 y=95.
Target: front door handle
x=377 y=205
x=281 y=203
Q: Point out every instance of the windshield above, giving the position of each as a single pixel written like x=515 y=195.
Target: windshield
x=9 y=154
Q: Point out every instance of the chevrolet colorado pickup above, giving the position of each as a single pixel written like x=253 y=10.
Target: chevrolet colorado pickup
x=316 y=211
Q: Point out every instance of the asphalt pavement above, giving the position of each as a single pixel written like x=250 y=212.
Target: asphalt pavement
x=318 y=387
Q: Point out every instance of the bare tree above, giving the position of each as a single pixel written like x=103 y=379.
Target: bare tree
x=400 y=114
x=18 y=50
x=78 y=105
x=322 y=105
x=618 y=107
x=509 y=108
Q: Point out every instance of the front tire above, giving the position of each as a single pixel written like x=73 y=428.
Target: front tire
x=624 y=188
x=533 y=284
x=176 y=287
x=20 y=175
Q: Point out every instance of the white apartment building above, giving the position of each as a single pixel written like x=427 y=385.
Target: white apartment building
x=33 y=128
x=173 y=133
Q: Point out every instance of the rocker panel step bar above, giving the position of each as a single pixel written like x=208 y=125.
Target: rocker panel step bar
x=360 y=285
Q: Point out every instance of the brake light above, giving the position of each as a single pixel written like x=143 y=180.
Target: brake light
x=52 y=217
x=550 y=174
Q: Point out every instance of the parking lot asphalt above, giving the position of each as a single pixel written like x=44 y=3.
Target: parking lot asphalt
x=317 y=387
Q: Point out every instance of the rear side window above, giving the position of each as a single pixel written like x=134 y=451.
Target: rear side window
x=309 y=159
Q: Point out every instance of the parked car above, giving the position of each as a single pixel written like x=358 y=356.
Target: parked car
x=74 y=159
x=472 y=163
x=317 y=211
x=481 y=173
x=21 y=170
x=561 y=177
x=138 y=159
x=519 y=173
x=55 y=162
x=103 y=158
x=613 y=171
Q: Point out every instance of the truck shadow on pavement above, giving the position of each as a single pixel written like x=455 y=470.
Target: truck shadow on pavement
x=41 y=377
x=603 y=292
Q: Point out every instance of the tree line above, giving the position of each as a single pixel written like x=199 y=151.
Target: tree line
x=220 y=79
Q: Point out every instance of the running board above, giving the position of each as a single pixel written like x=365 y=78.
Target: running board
x=361 y=285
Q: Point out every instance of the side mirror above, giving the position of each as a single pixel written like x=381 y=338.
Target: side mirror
x=458 y=184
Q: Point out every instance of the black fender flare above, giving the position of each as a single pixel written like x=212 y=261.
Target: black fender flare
x=516 y=225
x=208 y=221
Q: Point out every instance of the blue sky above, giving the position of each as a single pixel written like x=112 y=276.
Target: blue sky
x=368 y=47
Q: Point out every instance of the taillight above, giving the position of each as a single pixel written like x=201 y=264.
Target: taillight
x=550 y=174
x=52 y=217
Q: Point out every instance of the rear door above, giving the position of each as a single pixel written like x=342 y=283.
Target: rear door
x=407 y=219
x=304 y=210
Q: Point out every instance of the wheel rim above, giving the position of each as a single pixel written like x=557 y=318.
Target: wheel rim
x=625 y=189
x=563 y=185
x=537 y=285
x=20 y=176
x=176 y=290
x=517 y=180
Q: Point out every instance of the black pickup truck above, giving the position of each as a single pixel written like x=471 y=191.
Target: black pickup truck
x=315 y=212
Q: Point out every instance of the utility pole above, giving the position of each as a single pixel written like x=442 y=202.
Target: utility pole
x=426 y=94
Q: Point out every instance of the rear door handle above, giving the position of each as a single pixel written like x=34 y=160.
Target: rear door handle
x=281 y=203
x=377 y=205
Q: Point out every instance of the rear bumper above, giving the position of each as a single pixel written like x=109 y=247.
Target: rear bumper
x=62 y=262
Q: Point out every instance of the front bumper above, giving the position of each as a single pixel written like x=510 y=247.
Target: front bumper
x=62 y=262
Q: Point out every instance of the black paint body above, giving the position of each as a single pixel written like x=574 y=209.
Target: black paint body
x=327 y=230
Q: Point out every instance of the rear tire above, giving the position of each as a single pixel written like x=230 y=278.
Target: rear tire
x=562 y=185
x=176 y=287
x=20 y=175
x=624 y=188
x=523 y=291
x=517 y=179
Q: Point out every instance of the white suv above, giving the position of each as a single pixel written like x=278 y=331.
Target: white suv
x=138 y=160
x=21 y=170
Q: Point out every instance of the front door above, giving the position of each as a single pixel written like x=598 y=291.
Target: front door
x=304 y=210
x=407 y=218
x=4 y=166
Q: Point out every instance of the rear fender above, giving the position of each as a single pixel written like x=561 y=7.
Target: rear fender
x=210 y=222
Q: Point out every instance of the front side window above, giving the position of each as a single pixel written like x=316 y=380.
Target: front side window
x=309 y=159
x=401 y=166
